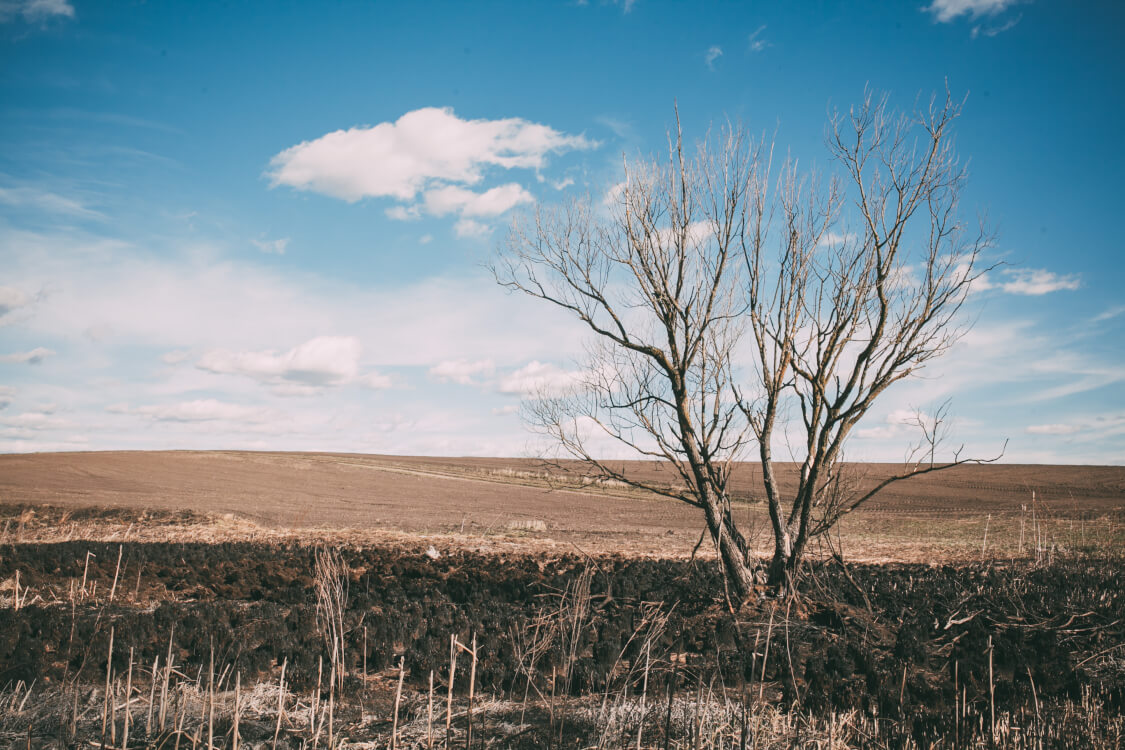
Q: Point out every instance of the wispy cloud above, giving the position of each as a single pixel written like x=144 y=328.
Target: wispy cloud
x=199 y=410
x=991 y=31
x=34 y=11
x=275 y=247
x=463 y=371
x=1030 y=281
x=1110 y=314
x=11 y=300
x=713 y=54
x=26 y=197
x=945 y=11
x=33 y=357
x=1039 y=281
x=470 y=228
x=537 y=378
x=1052 y=429
x=757 y=42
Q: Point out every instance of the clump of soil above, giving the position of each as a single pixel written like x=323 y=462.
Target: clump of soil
x=930 y=636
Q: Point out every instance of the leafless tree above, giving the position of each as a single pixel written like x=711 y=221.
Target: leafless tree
x=833 y=290
x=934 y=427
x=855 y=291
x=659 y=282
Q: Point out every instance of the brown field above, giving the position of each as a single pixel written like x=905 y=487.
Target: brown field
x=937 y=516
x=972 y=616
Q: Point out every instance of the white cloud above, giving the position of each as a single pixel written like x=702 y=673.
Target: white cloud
x=713 y=54
x=1029 y=281
x=404 y=213
x=1053 y=429
x=401 y=159
x=991 y=31
x=35 y=10
x=175 y=357
x=504 y=411
x=1040 y=281
x=462 y=371
x=325 y=360
x=199 y=410
x=6 y=394
x=835 y=239
x=195 y=300
x=425 y=239
x=1109 y=314
x=33 y=357
x=375 y=381
x=276 y=247
x=945 y=11
x=539 y=378
x=563 y=184
x=470 y=228
x=452 y=199
x=11 y=299
x=756 y=42
x=613 y=195
x=36 y=420
x=46 y=201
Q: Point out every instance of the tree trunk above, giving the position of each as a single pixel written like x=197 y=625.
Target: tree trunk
x=737 y=563
x=778 y=577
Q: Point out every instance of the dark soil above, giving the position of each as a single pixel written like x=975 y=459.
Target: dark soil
x=927 y=628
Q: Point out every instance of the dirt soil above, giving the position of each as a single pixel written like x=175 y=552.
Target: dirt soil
x=442 y=495
x=927 y=632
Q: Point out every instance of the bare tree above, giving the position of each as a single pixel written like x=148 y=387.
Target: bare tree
x=658 y=281
x=841 y=288
x=860 y=287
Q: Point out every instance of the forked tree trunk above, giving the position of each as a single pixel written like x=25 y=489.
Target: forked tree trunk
x=739 y=566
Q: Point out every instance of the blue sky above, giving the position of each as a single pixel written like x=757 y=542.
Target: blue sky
x=263 y=225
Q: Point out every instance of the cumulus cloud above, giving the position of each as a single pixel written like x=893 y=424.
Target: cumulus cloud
x=400 y=159
x=462 y=371
x=7 y=392
x=453 y=199
x=945 y=11
x=34 y=11
x=537 y=378
x=325 y=360
x=33 y=357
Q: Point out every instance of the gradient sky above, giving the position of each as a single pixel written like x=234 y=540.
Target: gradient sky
x=262 y=225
